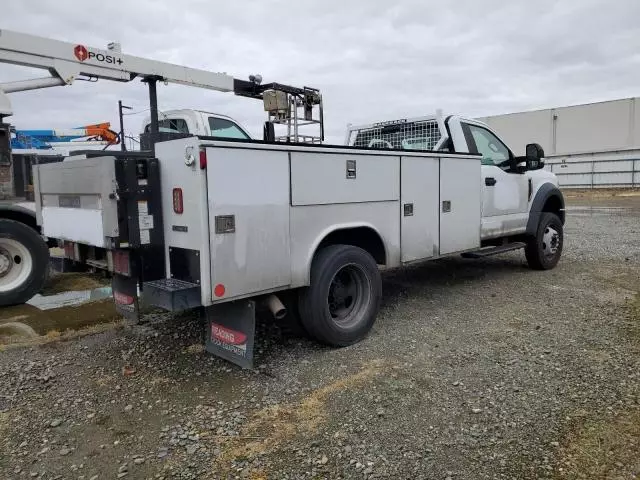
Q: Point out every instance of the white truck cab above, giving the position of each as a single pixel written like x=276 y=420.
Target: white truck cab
x=514 y=191
x=197 y=122
x=508 y=187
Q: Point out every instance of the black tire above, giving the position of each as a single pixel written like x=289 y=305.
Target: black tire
x=341 y=303
x=544 y=250
x=14 y=238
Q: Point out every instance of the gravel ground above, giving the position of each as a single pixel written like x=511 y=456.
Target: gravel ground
x=474 y=369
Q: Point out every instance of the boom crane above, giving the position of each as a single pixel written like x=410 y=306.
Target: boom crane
x=67 y=62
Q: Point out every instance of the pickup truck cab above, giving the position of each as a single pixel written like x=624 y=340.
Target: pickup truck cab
x=518 y=197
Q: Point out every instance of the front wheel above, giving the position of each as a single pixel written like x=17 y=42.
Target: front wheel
x=543 y=251
x=341 y=303
x=24 y=260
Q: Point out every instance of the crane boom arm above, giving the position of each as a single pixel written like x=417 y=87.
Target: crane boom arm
x=42 y=139
x=67 y=61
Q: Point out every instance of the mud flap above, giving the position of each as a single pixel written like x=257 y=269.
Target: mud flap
x=230 y=331
x=125 y=296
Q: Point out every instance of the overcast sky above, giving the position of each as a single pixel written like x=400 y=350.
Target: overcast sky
x=371 y=59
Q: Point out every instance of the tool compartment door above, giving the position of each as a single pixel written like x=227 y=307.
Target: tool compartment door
x=419 y=208
x=330 y=178
x=75 y=200
x=248 y=192
x=460 y=204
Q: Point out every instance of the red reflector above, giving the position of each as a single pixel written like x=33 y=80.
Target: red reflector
x=121 y=262
x=219 y=290
x=178 y=207
x=203 y=159
x=122 y=298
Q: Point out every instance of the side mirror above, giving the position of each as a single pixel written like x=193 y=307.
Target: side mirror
x=534 y=156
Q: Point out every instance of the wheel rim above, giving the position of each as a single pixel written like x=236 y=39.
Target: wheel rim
x=550 y=241
x=16 y=264
x=348 y=295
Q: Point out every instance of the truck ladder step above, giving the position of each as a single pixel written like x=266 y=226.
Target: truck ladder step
x=488 y=251
x=171 y=294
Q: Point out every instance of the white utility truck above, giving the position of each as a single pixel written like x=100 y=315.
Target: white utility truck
x=225 y=224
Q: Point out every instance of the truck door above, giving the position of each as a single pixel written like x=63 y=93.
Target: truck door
x=504 y=192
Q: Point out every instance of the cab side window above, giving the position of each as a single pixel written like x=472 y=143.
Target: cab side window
x=493 y=151
x=170 y=125
x=223 y=128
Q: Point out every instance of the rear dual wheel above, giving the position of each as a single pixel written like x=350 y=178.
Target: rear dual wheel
x=341 y=303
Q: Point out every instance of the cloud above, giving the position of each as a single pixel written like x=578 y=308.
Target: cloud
x=372 y=60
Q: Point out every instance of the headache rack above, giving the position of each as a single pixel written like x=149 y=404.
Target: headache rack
x=421 y=133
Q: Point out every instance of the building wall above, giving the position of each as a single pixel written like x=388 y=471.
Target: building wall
x=592 y=127
x=518 y=129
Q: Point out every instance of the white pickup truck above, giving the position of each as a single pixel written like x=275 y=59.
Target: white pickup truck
x=217 y=220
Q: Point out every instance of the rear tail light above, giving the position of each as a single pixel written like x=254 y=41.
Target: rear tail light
x=203 y=159
x=178 y=206
x=121 y=262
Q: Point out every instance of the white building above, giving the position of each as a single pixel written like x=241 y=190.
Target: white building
x=591 y=145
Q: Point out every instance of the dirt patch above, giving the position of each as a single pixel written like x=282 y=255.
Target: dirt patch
x=56 y=335
x=277 y=425
x=608 y=448
x=603 y=449
x=67 y=282
x=16 y=332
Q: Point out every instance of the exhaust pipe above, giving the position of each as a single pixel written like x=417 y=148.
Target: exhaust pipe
x=276 y=307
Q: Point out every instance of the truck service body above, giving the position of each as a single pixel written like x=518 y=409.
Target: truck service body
x=208 y=218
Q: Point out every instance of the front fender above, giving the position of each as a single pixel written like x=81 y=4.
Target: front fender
x=546 y=192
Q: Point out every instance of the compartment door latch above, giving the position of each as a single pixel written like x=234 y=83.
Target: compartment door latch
x=351 y=169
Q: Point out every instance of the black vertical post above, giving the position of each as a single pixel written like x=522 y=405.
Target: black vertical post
x=153 y=108
x=122 y=107
x=153 y=104
x=123 y=147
